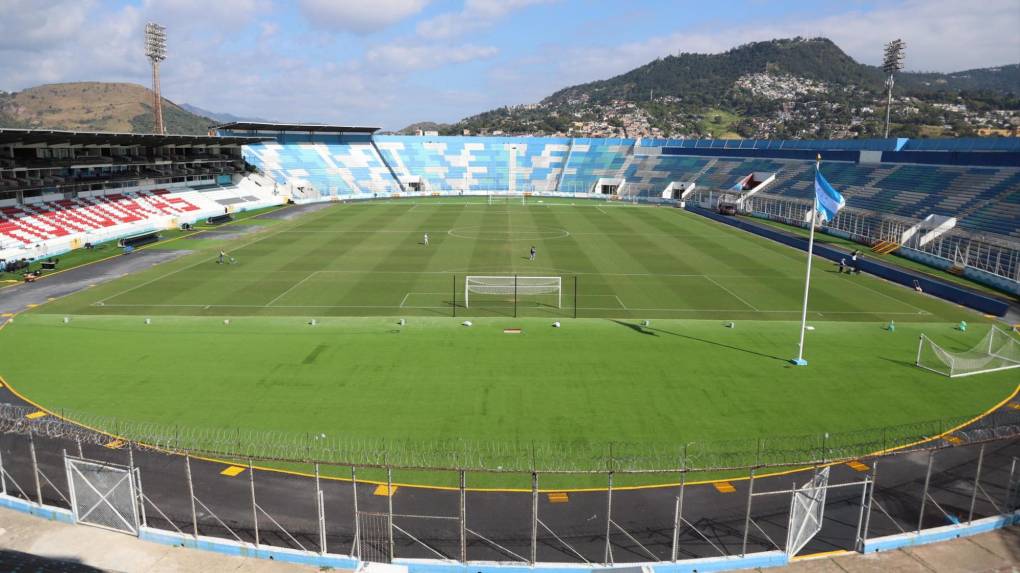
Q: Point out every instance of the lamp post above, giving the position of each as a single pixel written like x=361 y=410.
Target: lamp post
x=155 y=50
x=892 y=63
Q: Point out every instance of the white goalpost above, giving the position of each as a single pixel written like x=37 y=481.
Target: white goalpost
x=511 y=284
x=996 y=351
x=507 y=198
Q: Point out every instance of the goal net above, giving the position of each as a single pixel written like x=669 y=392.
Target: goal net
x=507 y=198
x=513 y=286
x=998 y=350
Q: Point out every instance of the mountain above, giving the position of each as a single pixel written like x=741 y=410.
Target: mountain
x=780 y=88
x=424 y=126
x=95 y=106
x=220 y=116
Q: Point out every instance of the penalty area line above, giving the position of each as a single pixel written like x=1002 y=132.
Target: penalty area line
x=292 y=287
x=731 y=293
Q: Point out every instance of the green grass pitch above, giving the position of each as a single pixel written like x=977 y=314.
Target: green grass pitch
x=357 y=268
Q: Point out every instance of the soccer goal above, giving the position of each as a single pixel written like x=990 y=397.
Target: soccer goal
x=506 y=199
x=996 y=351
x=516 y=286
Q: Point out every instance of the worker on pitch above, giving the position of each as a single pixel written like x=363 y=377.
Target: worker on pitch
x=224 y=257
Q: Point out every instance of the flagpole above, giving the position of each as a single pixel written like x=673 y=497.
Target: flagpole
x=799 y=361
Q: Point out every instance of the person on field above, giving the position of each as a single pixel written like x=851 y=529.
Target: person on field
x=426 y=240
x=219 y=260
x=533 y=252
x=842 y=265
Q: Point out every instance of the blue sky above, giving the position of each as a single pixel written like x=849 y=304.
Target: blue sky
x=392 y=62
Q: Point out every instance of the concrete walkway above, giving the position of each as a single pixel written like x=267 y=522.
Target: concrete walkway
x=998 y=552
x=28 y=543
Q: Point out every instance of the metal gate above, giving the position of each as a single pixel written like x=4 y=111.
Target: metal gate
x=102 y=494
x=375 y=537
x=807 y=507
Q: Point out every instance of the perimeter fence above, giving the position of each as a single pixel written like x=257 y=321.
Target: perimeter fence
x=355 y=500
x=573 y=457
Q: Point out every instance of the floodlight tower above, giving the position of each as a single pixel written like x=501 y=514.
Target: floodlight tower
x=892 y=63
x=155 y=49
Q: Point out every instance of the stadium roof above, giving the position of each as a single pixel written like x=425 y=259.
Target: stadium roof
x=300 y=127
x=56 y=137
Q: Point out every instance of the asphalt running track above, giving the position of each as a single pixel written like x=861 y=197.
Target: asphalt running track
x=499 y=524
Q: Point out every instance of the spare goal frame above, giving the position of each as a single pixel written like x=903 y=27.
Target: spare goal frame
x=985 y=357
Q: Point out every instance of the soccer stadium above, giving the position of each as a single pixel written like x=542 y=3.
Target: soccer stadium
x=770 y=339
x=322 y=345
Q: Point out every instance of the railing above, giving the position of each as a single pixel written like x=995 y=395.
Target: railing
x=967 y=477
x=997 y=256
x=493 y=456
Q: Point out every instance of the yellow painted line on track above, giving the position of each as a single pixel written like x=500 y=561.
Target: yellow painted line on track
x=36 y=415
x=233 y=471
x=724 y=487
x=115 y=444
x=858 y=466
x=822 y=555
x=558 y=497
x=383 y=490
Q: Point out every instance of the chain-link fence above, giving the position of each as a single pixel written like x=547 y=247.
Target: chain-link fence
x=527 y=504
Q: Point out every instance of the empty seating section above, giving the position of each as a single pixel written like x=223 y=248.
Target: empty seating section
x=592 y=159
x=536 y=164
x=35 y=223
x=984 y=199
x=649 y=175
x=449 y=163
x=347 y=168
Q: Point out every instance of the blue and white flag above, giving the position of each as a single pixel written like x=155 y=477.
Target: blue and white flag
x=828 y=201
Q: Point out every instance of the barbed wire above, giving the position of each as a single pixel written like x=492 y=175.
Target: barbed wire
x=506 y=456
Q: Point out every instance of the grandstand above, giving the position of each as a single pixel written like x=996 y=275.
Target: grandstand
x=61 y=190
x=326 y=363
x=939 y=182
x=974 y=181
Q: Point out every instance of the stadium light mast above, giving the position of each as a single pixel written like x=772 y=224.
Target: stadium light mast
x=155 y=50
x=892 y=63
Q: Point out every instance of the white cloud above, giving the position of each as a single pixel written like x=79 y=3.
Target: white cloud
x=243 y=57
x=359 y=16
x=28 y=23
x=410 y=57
x=476 y=14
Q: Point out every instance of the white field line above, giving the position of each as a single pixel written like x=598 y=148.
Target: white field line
x=292 y=287
x=210 y=306
x=620 y=301
x=876 y=291
x=403 y=300
x=198 y=262
x=733 y=294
